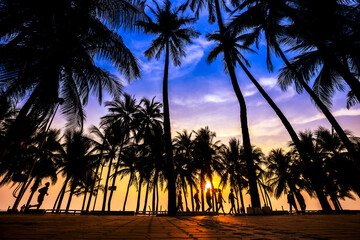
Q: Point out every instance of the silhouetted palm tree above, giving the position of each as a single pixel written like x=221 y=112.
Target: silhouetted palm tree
x=172 y=38
x=76 y=163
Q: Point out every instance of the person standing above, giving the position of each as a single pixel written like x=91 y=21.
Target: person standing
x=197 y=200
x=220 y=201
x=232 y=201
x=291 y=201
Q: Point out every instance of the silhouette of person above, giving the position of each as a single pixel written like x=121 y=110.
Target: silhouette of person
x=197 y=200
x=180 y=203
x=42 y=192
x=232 y=201
x=220 y=201
x=291 y=201
x=208 y=199
x=300 y=199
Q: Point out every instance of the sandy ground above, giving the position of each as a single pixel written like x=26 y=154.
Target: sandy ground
x=51 y=226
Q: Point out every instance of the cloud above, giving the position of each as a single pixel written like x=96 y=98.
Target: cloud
x=268 y=82
x=338 y=113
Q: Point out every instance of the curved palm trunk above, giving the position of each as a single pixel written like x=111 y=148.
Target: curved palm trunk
x=114 y=179
x=98 y=187
x=57 y=198
x=254 y=194
x=349 y=146
x=62 y=195
x=168 y=145
x=106 y=185
x=321 y=196
x=192 y=198
x=85 y=195
x=186 y=203
x=127 y=190
x=73 y=186
x=139 y=194
x=96 y=174
x=146 y=195
x=33 y=190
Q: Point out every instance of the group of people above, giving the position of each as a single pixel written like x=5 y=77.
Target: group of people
x=299 y=198
x=220 y=201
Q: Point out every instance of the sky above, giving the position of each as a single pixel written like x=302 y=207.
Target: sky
x=200 y=95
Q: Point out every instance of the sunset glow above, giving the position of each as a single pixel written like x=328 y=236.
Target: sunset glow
x=208 y=185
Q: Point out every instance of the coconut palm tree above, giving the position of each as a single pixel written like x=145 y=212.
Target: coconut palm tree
x=234 y=169
x=206 y=157
x=214 y=9
x=268 y=17
x=77 y=160
x=48 y=150
x=121 y=119
x=172 y=38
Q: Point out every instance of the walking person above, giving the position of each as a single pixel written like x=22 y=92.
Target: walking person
x=197 y=200
x=180 y=203
x=232 y=201
x=220 y=201
x=208 y=199
x=42 y=192
x=291 y=201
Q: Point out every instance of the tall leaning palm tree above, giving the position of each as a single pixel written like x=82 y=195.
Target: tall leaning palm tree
x=214 y=9
x=172 y=38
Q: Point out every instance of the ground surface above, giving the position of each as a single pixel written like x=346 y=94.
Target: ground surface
x=50 y=226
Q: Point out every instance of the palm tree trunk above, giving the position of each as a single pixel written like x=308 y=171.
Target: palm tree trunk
x=114 y=179
x=62 y=195
x=57 y=198
x=254 y=194
x=237 y=199
x=146 y=195
x=154 y=189
x=73 y=186
x=127 y=191
x=192 y=198
x=262 y=194
x=242 y=201
x=289 y=128
x=186 y=203
x=96 y=174
x=268 y=198
x=349 y=146
x=202 y=191
x=139 y=194
x=85 y=194
x=97 y=190
x=33 y=190
x=168 y=145
x=106 y=185
x=157 y=198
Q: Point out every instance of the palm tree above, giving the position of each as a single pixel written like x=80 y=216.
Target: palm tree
x=121 y=119
x=52 y=51
x=268 y=17
x=172 y=38
x=215 y=14
x=206 y=157
x=77 y=161
x=282 y=173
x=234 y=169
x=48 y=155
x=183 y=155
